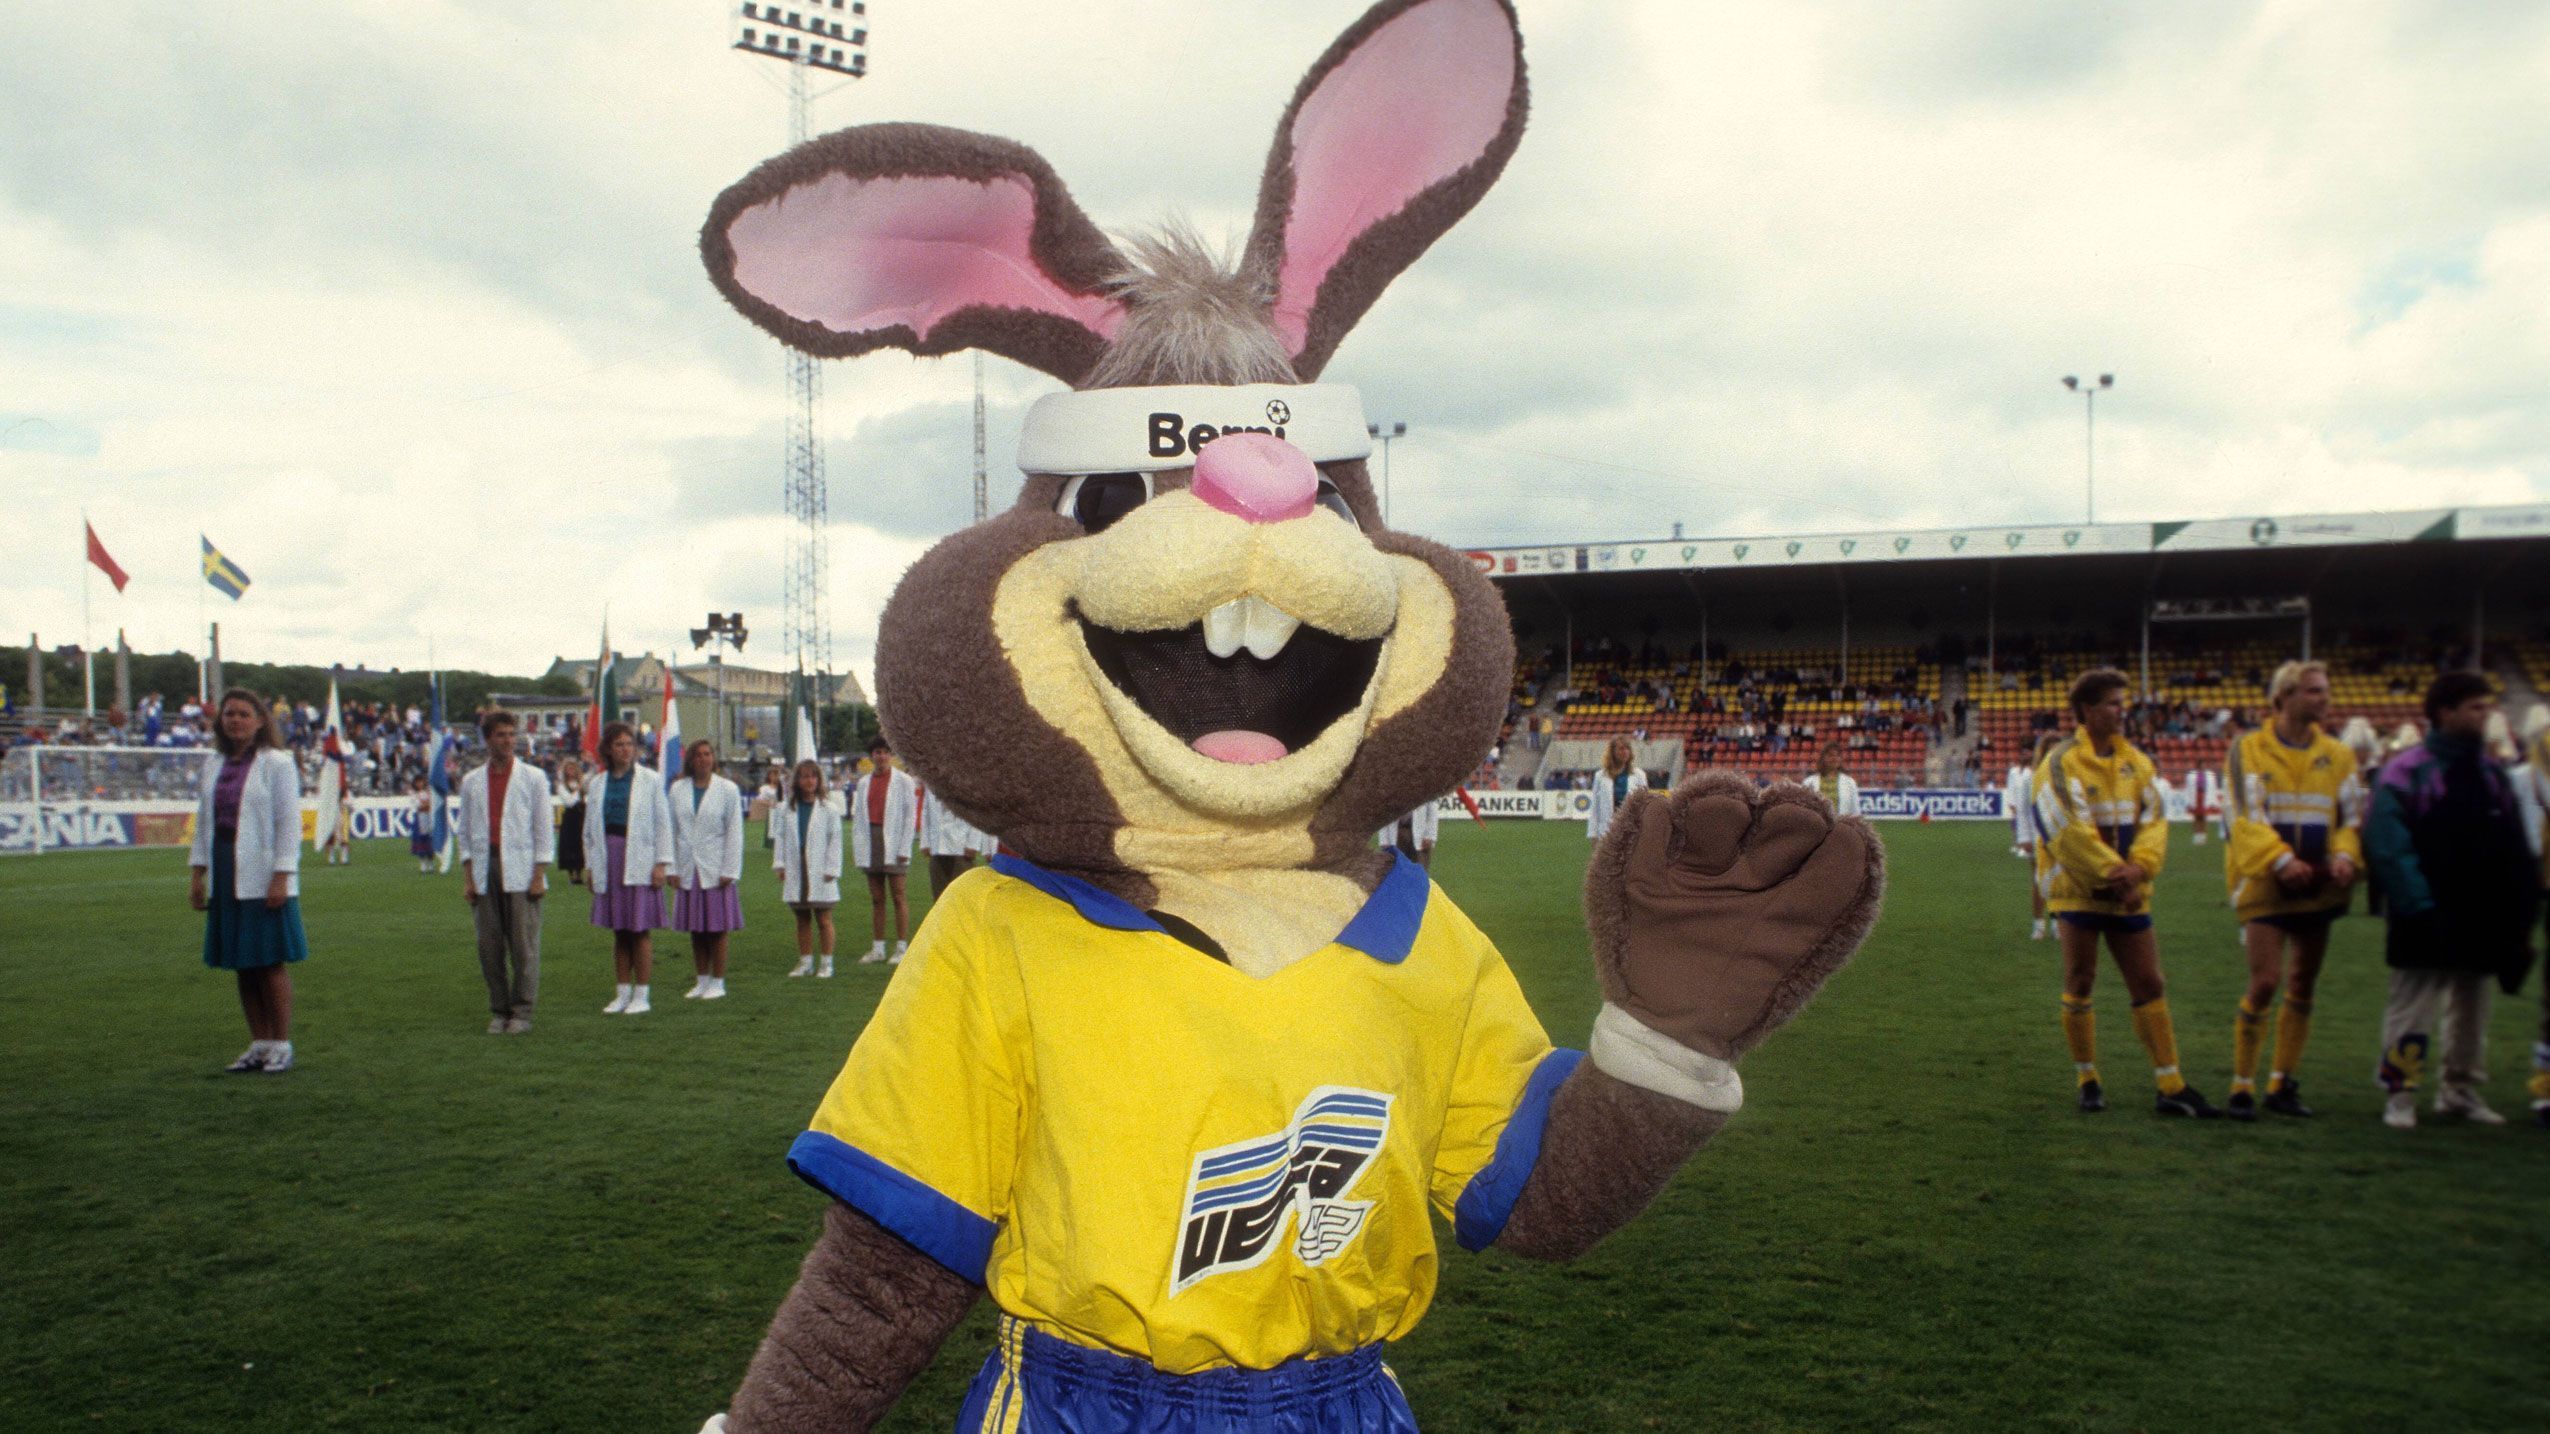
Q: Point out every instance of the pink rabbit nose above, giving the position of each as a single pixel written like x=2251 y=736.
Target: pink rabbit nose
x=1257 y=477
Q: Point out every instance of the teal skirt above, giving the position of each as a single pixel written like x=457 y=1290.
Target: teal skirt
x=244 y=935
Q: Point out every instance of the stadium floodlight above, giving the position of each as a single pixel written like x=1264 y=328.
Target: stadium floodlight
x=1395 y=430
x=830 y=35
x=2089 y=461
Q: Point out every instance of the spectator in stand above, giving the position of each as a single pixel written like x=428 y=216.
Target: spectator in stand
x=806 y=852
x=708 y=865
x=508 y=837
x=628 y=841
x=1620 y=775
x=2447 y=835
x=884 y=818
x=245 y=864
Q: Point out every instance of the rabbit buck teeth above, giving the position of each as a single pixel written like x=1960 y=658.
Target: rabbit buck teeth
x=1250 y=622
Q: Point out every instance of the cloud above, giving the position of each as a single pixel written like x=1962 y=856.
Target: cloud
x=401 y=304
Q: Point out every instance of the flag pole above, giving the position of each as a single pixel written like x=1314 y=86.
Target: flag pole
x=88 y=660
x=203 y=636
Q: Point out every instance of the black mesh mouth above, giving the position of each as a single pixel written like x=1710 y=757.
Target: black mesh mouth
x=1292 y=697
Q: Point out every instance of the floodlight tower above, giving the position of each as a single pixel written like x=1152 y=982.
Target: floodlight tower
x=2089 y=431
x=831 y=36
x=982 y=483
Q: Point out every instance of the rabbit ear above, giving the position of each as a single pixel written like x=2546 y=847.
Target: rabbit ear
x=919 y=238
x=1391 y=138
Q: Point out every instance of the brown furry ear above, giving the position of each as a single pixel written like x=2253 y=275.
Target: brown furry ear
x=1392 y=137
x=920 y=238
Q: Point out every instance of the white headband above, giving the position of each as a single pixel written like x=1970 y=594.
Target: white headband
x=1144 y=430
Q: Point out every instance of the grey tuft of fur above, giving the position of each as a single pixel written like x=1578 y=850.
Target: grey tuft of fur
x=1191 y=316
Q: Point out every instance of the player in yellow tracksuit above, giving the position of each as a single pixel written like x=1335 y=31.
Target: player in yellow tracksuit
x=2102 y=831
x=2296 y=851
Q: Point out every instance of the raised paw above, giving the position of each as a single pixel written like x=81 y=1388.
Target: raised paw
x=1718 y=910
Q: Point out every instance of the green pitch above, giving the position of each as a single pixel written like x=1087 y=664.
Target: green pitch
x=428 y=1228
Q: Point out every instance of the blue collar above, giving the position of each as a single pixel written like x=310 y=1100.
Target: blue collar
x=1384 y=929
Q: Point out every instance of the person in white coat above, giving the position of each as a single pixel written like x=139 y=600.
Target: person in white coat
x=884 y=817
x=1413 y=835
x=507 y=842
x=245 y=862
x=628 y=850
x=805 y=849
x=1838 y=788
x=949 y=840
x=708 y=866
x=1613 y=782
x=2018 y=800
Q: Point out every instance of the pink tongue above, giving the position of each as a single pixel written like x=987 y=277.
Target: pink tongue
x=1245 y=748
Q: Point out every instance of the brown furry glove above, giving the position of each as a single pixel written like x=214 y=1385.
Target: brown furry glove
x=1717 y=911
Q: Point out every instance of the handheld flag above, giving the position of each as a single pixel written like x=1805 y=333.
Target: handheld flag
x=605 y=705
x=668 y=735
x=225 y=575
x=98 y=559
x=1469 y=804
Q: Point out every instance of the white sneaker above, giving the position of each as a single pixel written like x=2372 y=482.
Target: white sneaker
x=619 y=1003
x=2036 y=931
x=251 y=1060
x=2466 y=1105
x=699 y=988
x=638 y=1006
x=823 y=972
x=278 y=1058
x=872 y=958
x=2400 y=1111
x=495 y=1025
x=805 y=966
x=715 y=991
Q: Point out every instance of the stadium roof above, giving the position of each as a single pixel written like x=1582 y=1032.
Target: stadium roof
x=2047 y=540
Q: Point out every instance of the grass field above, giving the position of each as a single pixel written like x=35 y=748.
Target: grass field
x=427 y=1228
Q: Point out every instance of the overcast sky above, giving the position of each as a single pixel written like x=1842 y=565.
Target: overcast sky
x=399 y=301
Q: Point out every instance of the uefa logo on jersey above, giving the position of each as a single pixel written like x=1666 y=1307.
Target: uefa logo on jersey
x=1243 y=1199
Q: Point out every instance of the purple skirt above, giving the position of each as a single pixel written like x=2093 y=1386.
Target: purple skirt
x=617 y=907
x=707 y=910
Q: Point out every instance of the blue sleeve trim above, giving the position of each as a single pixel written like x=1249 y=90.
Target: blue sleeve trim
x=1480 y=1214
x=922 y=1217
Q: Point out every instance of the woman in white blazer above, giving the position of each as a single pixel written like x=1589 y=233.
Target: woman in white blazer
x=628 y=850
x=805 y=849
x=708 y=865
x=1837 y=787
x=246 y=862
x=1414 y=834
x=950 y=841
x=884 y=817
x=1613 y=782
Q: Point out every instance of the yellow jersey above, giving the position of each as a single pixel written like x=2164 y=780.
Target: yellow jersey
x=1137 y=1148
x=2289 y=803
x=2093 y=813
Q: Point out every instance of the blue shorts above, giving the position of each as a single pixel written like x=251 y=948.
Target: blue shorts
x=2107 y=921
x=1037 y=1384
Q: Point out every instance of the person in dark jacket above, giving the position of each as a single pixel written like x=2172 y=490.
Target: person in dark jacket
x=2447 y=838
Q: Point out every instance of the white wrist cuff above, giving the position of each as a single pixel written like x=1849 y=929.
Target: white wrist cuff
x=1634 y=1053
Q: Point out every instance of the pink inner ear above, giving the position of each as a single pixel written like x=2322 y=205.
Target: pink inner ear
x=858 y=255
x=1411 y=107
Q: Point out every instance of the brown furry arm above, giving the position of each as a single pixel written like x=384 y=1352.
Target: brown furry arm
x=867 y=1314
x=1608 y=1149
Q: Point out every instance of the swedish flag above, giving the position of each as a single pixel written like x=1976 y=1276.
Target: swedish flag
x=221 y=572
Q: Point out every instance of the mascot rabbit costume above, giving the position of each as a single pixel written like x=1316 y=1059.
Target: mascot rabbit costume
x=1182 y=1079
